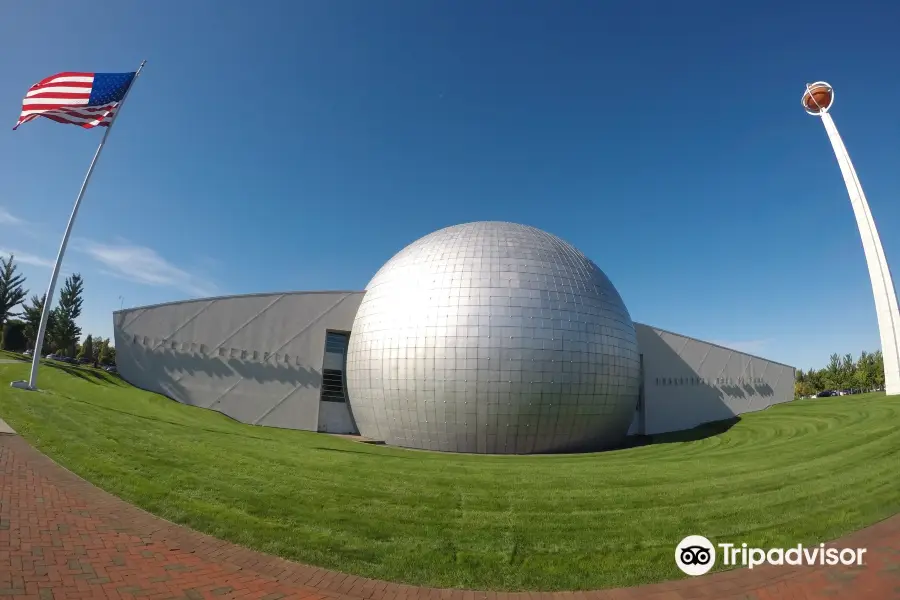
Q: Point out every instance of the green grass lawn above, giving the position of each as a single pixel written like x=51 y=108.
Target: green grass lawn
x=802 y=473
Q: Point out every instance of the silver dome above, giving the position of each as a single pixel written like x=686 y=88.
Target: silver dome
x=493 y=337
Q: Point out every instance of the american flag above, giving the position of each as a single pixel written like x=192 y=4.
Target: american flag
x=85 y=99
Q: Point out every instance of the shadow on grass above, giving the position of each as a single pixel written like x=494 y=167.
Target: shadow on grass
x=361 y=452
x=167 y=422
x=83 y=372
x=701 y=432
x=92 y=375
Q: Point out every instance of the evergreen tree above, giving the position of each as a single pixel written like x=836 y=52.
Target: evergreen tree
x=87 y=348
x=31 y=315
x=12 y=292
x=104 y=352
x=66 y=331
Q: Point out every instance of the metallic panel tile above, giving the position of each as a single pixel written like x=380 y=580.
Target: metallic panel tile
x=493 y=337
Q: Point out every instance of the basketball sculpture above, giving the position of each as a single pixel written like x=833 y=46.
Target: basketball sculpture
x=817 y=98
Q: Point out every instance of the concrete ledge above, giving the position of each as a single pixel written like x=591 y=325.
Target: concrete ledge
x=5 y=429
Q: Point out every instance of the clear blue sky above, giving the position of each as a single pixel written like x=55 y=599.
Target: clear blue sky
x=275 y=146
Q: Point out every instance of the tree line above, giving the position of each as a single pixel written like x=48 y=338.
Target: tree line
x=20 y=327
x=865 y=373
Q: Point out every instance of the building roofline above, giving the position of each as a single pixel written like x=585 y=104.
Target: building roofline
x=230 y=296
x=660 y=329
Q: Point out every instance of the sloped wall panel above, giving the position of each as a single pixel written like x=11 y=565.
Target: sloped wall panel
x=688 y=382
x=257 y=359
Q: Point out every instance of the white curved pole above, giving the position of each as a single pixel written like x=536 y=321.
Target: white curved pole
x=886 y=307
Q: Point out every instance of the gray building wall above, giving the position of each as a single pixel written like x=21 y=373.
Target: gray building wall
x=255 y=358
x=688 y=382
x=259 y=359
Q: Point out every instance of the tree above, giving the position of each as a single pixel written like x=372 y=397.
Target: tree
x=11 y=291
x=833 y=374
x=878 y=359
x=87 y=348
x=70 y=297
x=14 y=338
x=865 y=373
x=104 y=352
x=802 y=385
x=66 y=332
x=31 y=314
x=816 y=380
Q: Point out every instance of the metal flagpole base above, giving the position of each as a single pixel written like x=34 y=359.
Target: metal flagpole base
x=22 y=385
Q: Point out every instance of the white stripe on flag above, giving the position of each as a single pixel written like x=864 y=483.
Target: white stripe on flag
x=54 y=101
x=58 y=89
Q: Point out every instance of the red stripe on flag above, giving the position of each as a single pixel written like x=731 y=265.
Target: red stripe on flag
x=63 y=74
x=85 y=125
x=88 y=117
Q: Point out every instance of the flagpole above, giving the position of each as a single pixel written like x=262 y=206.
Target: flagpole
x=48 y=299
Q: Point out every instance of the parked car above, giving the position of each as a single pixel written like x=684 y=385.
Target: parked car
x=825 y=394
x=60 y=358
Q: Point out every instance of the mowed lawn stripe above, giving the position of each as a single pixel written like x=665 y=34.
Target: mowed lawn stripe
x=805 y=472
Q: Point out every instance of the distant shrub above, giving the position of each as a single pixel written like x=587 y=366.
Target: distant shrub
x=14 y=339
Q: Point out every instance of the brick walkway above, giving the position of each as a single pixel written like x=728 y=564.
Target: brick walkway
x=62 y=538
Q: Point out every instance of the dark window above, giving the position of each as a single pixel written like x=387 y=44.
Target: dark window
x=332 y=386
x=336 y=342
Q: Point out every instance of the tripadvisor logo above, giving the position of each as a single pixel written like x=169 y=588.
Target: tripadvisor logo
x=696 y=555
